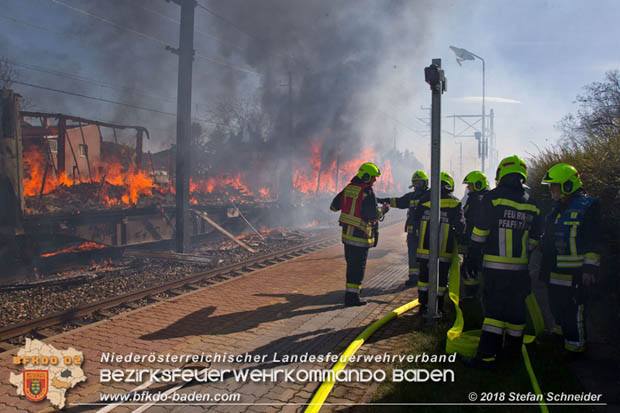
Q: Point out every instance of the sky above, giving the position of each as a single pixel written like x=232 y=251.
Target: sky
x=539 y=55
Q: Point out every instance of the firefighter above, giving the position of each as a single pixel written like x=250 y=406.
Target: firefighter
x=507 y=227
x=571 y=257
x=359 y=216
x=477 y=188
x=419 y=183
x=452 y=226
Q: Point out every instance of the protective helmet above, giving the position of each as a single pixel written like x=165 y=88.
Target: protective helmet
x=367 y=171
x=511 y=165
x=447 y=181
x=477 y=179
x=564 y=174
x=419 y=176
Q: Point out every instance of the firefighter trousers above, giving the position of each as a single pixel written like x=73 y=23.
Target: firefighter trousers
x=356 y=258
x=568 y=309
x=503 y=301
x=444 y=269
x=412 y=246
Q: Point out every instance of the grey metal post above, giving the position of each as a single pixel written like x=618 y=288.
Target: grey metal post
x=184 y=121
x=435 y=77
x=460 y=160
x=484 y=136
x=492 y=160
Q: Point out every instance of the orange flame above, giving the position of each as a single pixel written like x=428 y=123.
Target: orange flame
x=133 y=182
x=87 y=246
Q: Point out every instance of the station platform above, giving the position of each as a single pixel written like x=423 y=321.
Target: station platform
x=292 y=308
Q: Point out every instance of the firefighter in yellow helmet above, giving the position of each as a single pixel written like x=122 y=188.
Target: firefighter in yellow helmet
x=452 y=226
x=571 y=248
x=477 y=188
x=419 y=183
x=508 y=226
x=359 y=216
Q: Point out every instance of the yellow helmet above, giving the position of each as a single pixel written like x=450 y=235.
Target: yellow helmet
x=511 y=165
x=564 y=174
x=367 y=171
x=447 y=181
x=477 y=179
x=419 y=176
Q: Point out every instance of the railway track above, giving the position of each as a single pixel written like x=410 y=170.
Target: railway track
x=43 y=326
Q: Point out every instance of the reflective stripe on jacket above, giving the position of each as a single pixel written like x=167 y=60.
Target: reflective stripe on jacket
x=358 y=207
x=409 y=201
x=452 y=224
x=507 y=227
x=571 y=242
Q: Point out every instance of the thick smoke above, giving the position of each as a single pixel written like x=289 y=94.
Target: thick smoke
x=351 y=61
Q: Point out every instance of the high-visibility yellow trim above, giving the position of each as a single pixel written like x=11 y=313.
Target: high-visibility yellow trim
x=516 y=205
x=321 y=394
x=574 y=348
x=488 y=359
x=445 y=236
x=422 y=284
x=422 y=236
x=351 y=285
x=493 y=322
x=505 y=260
x=444 y=203
x=393 y=202
x=592 y=258
x=516 y=327
x=508 y=242
x=561 y=276
x=481 y=232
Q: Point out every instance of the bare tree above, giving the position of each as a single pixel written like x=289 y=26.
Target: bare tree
x=599 y=110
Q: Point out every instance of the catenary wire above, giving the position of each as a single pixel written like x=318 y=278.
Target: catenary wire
x=161 y=112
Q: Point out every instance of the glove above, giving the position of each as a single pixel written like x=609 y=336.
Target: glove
x=471 y=266
x=385 y=208
x=383 y=200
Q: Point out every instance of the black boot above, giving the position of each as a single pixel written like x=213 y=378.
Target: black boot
x=352 y=300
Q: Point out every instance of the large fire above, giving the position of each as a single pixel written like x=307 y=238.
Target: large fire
x=316 y=176
x=112 y=183
x=116 y=184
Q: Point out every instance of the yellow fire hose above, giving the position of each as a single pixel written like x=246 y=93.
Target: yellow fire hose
x=464 y=343
x=319 y=397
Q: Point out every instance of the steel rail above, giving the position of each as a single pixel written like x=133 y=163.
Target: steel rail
x=15 y=330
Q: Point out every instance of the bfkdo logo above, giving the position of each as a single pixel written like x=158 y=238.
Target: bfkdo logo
x=48 y=372
x=36 y=384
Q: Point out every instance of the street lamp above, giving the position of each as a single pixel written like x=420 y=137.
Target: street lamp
x=462 y=54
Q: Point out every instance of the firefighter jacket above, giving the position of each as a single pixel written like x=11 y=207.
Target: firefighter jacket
x=358 y=211
x=471 y=209
x=408 y=201
x=452 y=225
x=571 y=242
x=507 y=227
